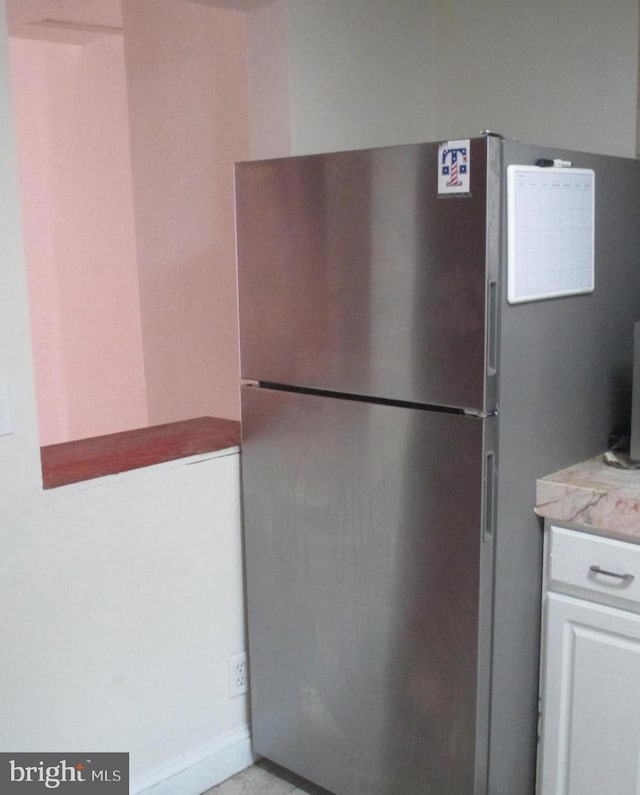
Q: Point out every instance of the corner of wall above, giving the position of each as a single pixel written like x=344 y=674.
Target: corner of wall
x=269 y=83
x=19 y=450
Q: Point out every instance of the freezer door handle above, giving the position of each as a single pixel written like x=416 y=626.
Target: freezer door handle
x=492 y=337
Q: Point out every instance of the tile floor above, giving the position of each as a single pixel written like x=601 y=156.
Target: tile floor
x=265 y=778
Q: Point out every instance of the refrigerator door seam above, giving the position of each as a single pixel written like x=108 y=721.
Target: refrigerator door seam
x=361 y=398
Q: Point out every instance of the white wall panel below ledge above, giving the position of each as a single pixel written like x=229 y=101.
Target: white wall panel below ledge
x=125 y=602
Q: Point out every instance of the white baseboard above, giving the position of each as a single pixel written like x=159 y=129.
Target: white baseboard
x=199 y=769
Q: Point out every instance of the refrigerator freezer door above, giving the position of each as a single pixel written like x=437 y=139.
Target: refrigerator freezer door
x=362 y=542
x=355 y=276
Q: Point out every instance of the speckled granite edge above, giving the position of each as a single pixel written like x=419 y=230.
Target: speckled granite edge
x=593 y=494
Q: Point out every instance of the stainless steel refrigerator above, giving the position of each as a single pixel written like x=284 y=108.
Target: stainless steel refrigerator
x=396 y=414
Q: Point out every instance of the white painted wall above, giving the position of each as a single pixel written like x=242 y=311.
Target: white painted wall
x=268 y=73
x=362 y=73
x=19 y=452
x=549 y=72
x=124 y=601
x=373 y=72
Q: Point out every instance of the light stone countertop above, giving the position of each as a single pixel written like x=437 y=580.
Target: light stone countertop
x=594 y=494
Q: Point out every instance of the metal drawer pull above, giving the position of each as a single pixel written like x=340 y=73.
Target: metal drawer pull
x=627 y=578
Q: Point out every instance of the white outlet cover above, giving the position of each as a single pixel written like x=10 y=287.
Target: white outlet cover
x=6 y=425
x=238 y=670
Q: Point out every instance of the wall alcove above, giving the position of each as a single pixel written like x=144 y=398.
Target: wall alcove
x=129 y=117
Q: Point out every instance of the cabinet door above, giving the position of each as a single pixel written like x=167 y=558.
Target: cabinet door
x=591 y=700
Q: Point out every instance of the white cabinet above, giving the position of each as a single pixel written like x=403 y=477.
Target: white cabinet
x=590 y=677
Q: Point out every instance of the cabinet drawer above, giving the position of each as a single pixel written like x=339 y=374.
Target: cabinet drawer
x=601 y=569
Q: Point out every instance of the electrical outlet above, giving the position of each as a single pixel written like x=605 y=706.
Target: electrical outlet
x=238 y=675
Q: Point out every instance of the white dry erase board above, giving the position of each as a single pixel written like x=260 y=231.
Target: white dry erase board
x=550 y=221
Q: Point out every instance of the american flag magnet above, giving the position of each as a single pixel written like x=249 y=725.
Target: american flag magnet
x=454 y=167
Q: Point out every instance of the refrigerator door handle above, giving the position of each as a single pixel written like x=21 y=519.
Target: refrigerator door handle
x=488 y=497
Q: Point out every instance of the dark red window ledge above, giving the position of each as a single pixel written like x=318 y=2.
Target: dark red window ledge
x=71 y=462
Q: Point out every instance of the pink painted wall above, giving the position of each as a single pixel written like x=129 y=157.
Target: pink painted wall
x=37 y=70
x=188 y=99
x=74 y=156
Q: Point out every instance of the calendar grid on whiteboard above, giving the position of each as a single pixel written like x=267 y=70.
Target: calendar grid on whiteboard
x=550 y=232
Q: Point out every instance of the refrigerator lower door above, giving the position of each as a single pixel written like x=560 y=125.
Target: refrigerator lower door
x=363 y=556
